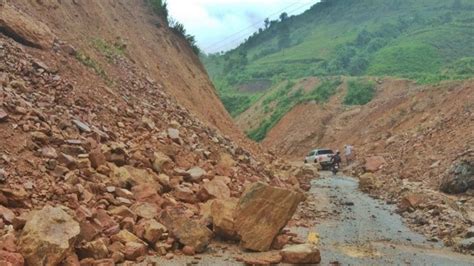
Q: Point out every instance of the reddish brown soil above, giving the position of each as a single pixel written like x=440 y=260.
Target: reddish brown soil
x=163 y=56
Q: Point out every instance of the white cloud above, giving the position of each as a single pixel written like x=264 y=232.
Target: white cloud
x=215 y=22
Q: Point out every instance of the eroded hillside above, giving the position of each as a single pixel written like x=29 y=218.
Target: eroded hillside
x=99 y=30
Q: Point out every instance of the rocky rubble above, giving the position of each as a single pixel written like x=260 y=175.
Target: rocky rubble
x=101 y=175
x=441 y=217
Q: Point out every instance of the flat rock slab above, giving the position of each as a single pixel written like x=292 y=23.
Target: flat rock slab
x=24 y=28
x=301 y=254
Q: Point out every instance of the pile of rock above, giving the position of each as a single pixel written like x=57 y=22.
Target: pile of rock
x=101 y=176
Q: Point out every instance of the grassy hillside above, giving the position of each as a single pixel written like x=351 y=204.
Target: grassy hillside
x=424 y=40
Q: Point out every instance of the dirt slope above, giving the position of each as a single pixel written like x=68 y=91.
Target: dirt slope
x=163 y=56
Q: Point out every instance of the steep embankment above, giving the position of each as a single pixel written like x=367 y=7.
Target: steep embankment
x=97 y=28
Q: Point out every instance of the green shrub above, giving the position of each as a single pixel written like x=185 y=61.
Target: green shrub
x=91 y=63
x=179 y=30
x=159 y=7
x=110 y=51
x=285 y=100
x=323 y=91
x=359 y=92
x=236 y=104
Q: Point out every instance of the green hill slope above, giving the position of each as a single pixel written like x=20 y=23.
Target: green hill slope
x=424 y=40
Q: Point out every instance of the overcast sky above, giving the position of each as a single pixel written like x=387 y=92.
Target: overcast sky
x=222 y=24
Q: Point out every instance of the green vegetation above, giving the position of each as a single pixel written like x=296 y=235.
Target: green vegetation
x=359 y=92
x=110 y=51
x=424 y=40
x=91 y=63
x=285 y=97
x=160 y=8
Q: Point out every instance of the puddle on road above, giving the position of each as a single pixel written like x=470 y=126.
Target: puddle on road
x=356 y=251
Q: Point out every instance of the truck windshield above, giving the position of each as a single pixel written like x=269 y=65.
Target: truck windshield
x=323 y=152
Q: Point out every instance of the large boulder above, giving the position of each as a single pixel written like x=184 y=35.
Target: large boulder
x=301 y=254
x=188 y=232
x=459 y=178
x=48 y=236
x=24 y=28
x=262 y=212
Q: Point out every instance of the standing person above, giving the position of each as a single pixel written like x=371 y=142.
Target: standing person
x=336 y=159
x=348 y=152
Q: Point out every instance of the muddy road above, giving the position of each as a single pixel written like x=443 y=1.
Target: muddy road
x=354 y=229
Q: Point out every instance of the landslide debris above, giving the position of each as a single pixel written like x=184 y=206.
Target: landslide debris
x=84 y=180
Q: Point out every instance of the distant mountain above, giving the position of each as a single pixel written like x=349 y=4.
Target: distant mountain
x=424 y=40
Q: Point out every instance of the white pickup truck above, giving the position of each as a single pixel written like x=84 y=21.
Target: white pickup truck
x=321 y=156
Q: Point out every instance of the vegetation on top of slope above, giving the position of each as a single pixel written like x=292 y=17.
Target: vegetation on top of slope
x=416 y=39
x=160 y=8
x=280 y=101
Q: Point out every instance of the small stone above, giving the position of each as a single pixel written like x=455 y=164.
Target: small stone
x=467 y=243
x=11 y=258
x=185 y=194
x=160 y=161
x=97 y=158
x=145 y=210
x=3 y=115
x=124 y=201
x=301 y=254
x=96 y=249
x=150 y=230
x=189 y=251
x=187 y=231
x=3 y=176
x=173 y=134
x=134 y=250
x=82 y=126
x=196 y=174
x=125 y=236
x=123 y=212
x=214 y=189
x=470 y=232
x=49 y=152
